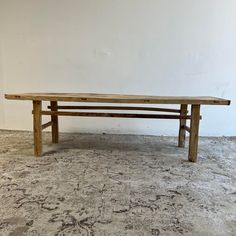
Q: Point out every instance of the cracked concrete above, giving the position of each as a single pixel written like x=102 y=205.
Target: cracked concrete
x=116 y=185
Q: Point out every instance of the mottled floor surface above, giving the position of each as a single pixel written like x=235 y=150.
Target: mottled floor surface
x=116 y=185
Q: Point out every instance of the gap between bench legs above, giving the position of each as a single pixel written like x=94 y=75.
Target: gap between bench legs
x=55 y=125
x=193 y=140
x=37 y=127
x=194 y=133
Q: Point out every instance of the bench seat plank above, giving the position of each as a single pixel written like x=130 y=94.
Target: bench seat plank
x=118 y=98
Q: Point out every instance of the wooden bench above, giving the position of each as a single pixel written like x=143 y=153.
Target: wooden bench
x=180 y=114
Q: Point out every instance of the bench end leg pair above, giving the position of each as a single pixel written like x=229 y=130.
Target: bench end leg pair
x=194 y=130
x=37 y=126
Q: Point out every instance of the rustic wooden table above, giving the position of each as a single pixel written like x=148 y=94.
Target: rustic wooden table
x=180 y=114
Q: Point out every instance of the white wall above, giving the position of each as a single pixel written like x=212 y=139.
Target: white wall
x=156 y=47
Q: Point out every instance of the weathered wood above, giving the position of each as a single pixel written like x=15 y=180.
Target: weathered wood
x=116 y=108
x=182 y=124
x=37 y=120
x=45 y=126
x=55 y=128
x=117 y=98
x=194 y=133
x=115 y=115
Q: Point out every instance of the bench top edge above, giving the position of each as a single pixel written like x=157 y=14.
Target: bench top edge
x=118 y=98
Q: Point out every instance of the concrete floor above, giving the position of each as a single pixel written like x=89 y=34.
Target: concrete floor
x=116 y=185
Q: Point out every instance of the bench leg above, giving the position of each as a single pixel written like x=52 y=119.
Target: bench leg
x=55 y=129
x=182 y=123
x=37 y=120
x=194 y=133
